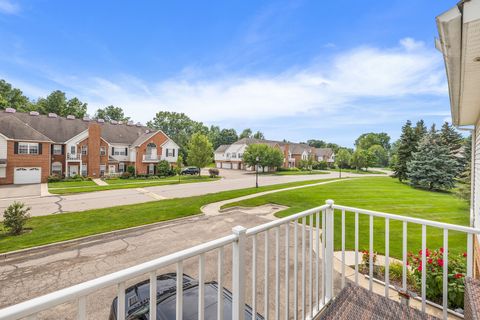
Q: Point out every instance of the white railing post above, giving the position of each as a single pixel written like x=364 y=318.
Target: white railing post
x=238 y=273
x=329 y=250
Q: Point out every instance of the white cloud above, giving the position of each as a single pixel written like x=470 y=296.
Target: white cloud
x=9 y=7
x=332 y=88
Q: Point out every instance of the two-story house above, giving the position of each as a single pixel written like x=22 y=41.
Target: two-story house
x=34 y=146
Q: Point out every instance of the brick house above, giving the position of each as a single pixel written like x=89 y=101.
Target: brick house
x=231 y=156
x=34 y=146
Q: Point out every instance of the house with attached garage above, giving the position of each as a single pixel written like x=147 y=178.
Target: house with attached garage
x=34 y=146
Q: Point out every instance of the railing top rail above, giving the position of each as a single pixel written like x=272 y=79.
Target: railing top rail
x=430 y=223
x=279 y=222
x=55 y=298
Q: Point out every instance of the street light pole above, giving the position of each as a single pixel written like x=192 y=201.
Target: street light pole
x=256 y=172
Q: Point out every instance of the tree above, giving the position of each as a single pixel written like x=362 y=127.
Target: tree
x=259 y=135
x=274 y=157
x=420 y=131
x=256 y=151
x=163 y=168
x=111 y=113
x=362 y=159
x=463 y=189
x=454 y=141
x=342 y=159
x=15 y=217
x=13 y=98
x=406 y=147
x=379 y=154
x=366 y=140
x=317 y=143
x=246 y=133
x=431 y=166
x=56 y=102
x=200 y=151
x=228 y=136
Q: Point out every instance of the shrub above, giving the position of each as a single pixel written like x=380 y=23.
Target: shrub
x=131 y=170
x=15 y=217
x=321 y=165
x=54 y=178
x=126 y=175
x=366 y=258
x=213 y=172
x=434 y=275
x=152 y=177
x=163 y=168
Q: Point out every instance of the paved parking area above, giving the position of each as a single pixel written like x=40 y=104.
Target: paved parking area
x=20 y=191
x=27 y=276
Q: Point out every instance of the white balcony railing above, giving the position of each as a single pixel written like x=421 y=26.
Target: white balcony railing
x=307 y=272
x=152 y=157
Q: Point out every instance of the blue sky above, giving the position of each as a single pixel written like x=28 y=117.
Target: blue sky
x=293 y=69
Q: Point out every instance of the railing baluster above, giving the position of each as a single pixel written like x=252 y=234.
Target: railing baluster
x=121 y=301
x=370 y=257
x=329 y=248
x=445 y=273
x=356 y=247
x=343 y=249
x=266 y=286
x=82 y=308
x=317 y=259
x=254 y=277
x=304 y=268
x=220 y=271
x=179 y=293
x=424 y=262
x=469 y=255
x=310 y=265
x=153 y=295
x=295 y=270
x=323 y=257
x=287 y=269
x=201 y=287
x=387 y=256
x=277 y=273
x=404 y=266
x=238 y=273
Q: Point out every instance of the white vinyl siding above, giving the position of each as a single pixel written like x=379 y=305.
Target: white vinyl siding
x=3 y=148
x=476 y=178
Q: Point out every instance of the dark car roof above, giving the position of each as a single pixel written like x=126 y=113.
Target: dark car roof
x=137 y=297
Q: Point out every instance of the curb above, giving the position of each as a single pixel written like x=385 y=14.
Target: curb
x=89 y=239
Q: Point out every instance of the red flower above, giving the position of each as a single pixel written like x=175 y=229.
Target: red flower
x=441 y=250
x=430 y=261
x=458 y=275
x=465 y=254
x=440 y=262
x=419 y=268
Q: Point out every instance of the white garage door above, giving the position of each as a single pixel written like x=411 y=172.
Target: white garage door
x=226 y=165
x=235 y=166
x=219 y=165
x=26 y=175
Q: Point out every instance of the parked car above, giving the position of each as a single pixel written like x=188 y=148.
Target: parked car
x=190 y=170
x=137 y=302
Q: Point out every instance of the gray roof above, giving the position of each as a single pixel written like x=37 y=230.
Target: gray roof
x=24 y=126
x=222 y=148
x=299 y=148
x=249 y=141
x=13 y=128
x=321 y=152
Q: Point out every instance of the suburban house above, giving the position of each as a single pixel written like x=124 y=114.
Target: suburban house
x=231 y=156
x=34 y=146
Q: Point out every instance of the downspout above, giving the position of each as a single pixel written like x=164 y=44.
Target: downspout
x=472 y=172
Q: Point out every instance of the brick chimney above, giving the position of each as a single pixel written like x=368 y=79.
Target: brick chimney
x=94 y=134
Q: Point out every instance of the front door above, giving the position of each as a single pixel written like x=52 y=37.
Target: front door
x=73 y=170
x=111 y=168
x=151 y=168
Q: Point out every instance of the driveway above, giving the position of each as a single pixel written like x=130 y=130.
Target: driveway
x=15 y=191
x=232 y=180
x=25 y=276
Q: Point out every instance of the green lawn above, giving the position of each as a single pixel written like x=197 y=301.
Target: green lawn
x=381 y=194
x=114 y=184
x=70 y=184
x=66 y=226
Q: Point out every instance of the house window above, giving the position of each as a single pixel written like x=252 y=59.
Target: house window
x=228 y=155
x=84 y=150
x=84 y=170
x=57 y=168
x=234 y=155
x=73 y=150
x=103 y=168
x=57 y=149
x=27 y=148
x=170 y=152
x=119 y=152
x=3 y=172
x=121 y=167
x=240 y=155
x=103 y=152
x=151 y=168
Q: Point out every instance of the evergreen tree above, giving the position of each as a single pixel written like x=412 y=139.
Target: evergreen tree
x=420 y=130
x=407 y=145
x=431 y=167
x=454 y=141
x=463 y=190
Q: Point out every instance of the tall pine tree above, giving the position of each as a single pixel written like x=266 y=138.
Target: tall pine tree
x=407 y=145
x=454 y=141
x=431 y=166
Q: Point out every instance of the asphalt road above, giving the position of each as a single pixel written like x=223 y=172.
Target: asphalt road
x=93 y=200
